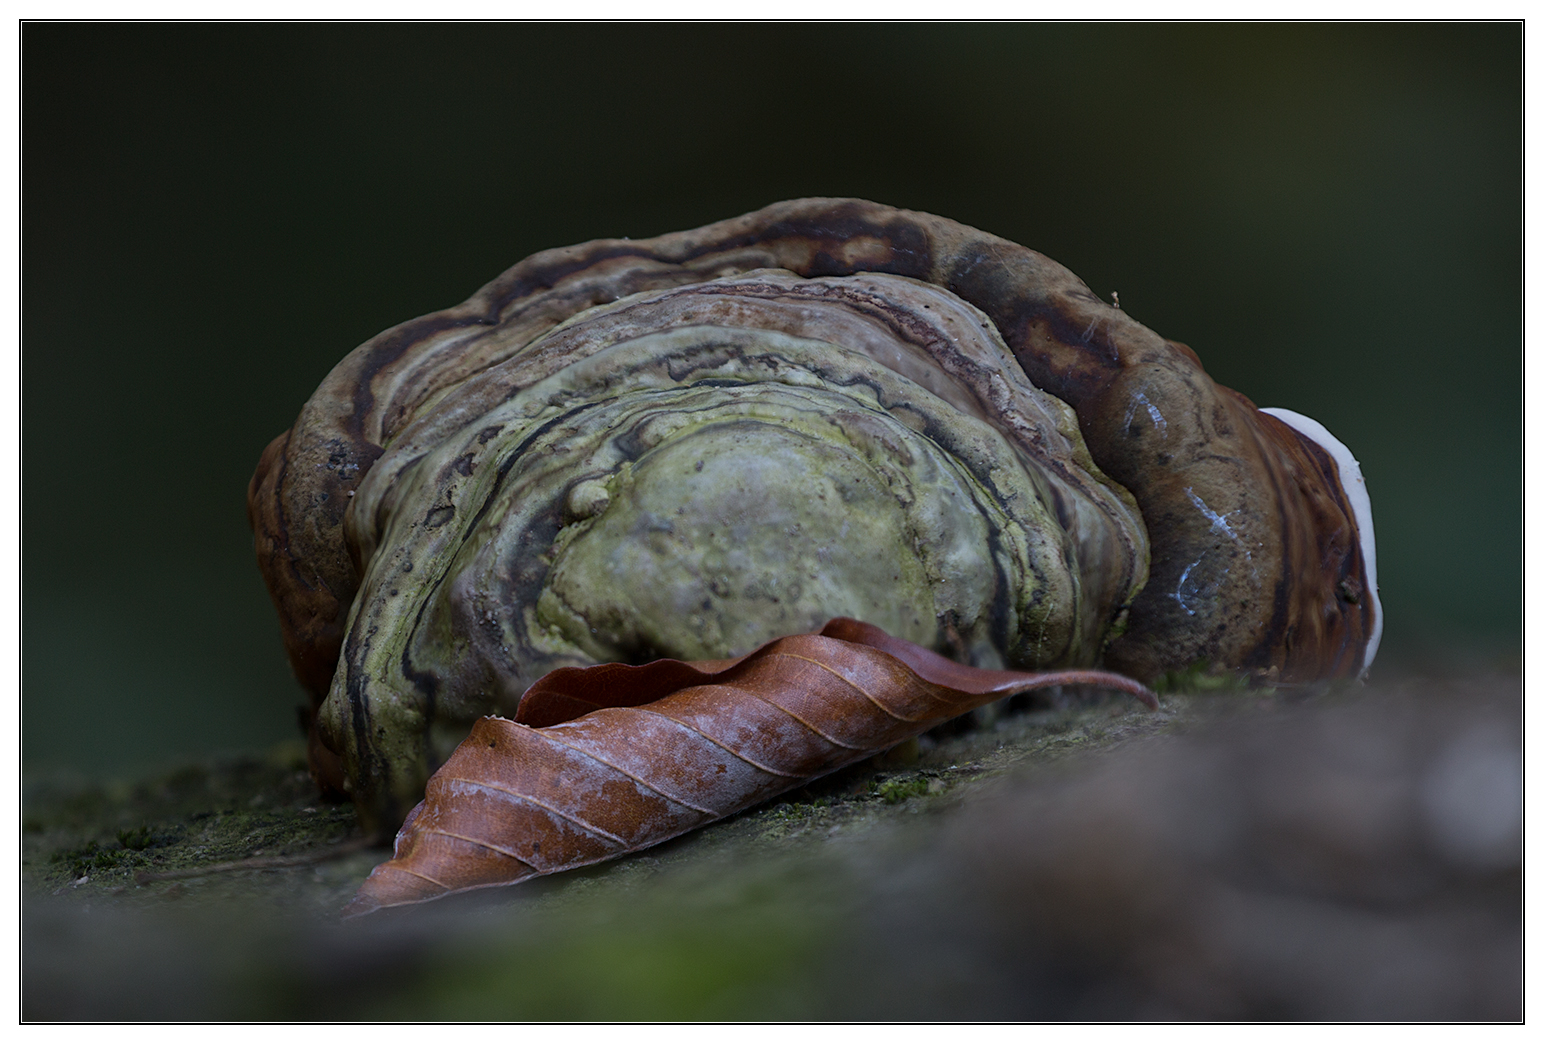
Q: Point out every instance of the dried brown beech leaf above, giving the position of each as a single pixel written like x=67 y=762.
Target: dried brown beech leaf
x=603 y=761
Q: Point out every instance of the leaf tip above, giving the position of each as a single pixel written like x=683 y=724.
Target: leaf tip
x=391 y=885
x=359 y=906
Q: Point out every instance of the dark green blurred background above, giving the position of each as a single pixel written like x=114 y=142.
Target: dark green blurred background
x=214 y=215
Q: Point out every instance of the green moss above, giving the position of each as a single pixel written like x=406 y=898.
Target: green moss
x=797 y=811
x=894 y=791
x=183 y=820
x=1201 y=677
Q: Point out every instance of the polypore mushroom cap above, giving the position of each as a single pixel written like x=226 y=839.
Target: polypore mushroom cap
x=511 y=483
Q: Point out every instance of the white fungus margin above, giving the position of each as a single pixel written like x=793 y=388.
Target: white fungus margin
x=1355 y=485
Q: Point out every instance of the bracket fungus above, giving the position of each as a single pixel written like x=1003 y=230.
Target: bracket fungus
x=690 y=445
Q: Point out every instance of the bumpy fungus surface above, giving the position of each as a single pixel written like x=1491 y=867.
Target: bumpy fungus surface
x=687 y=446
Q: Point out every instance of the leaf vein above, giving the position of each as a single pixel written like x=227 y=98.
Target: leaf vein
x=528 y=799
x=808 y=724
x=484 y=844
x=726 y=749
x=395 y=865
x=851 y=685
x=618 y=768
